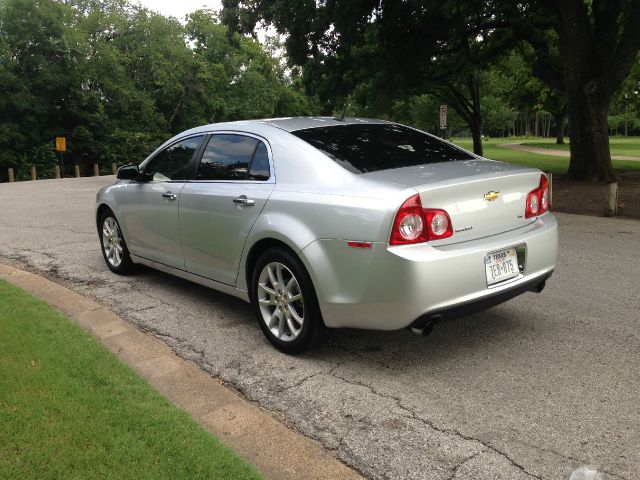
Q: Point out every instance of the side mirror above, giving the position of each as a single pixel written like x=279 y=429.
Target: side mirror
x=128 y=172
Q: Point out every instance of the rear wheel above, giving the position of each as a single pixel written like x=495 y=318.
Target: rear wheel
x=285 y=302
x=114 y=248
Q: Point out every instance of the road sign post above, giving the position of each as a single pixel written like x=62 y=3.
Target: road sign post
x=443 y=120
x=61 y=146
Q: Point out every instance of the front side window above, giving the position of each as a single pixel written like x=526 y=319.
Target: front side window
x=174 y=162
x=379 y=146
x=234 y=157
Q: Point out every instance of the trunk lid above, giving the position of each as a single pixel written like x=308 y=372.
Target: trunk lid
x=482 y=197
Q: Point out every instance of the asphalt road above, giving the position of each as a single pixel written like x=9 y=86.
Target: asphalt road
x=534 y=388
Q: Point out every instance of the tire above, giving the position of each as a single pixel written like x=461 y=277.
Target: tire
x=113 y=246
x=285 y=302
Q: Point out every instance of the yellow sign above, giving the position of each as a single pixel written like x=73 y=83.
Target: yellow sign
x=491 y=196
x=61 y=144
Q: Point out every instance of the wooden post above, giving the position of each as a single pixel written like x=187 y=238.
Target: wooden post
x=114 y=168
x=96 y=170
x=56 y=171
x=34 y=175
x=76 y=169
x=612 y=207
x=12 y=178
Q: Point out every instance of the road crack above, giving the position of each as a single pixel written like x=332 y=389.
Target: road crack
x=454 y=472
x=449 y=431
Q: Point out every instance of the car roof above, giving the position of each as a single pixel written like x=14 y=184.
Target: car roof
x=292 y=124
x=287 y=124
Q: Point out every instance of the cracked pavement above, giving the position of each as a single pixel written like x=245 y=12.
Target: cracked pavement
x=533 y=388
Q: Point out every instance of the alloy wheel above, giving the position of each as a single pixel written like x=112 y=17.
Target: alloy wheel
x=280 y=300
x=112 y=242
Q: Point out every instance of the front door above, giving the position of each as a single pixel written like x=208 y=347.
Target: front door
x=151 y=208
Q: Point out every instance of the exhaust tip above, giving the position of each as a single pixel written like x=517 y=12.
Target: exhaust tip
x=427 y=327
x=422 y=331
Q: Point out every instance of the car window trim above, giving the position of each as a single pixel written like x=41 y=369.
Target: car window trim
x=190 y=171
x=210 y=134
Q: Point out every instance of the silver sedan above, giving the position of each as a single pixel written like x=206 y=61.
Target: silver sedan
x=324 y=223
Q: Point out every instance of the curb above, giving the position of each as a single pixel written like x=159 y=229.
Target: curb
x=273 y=449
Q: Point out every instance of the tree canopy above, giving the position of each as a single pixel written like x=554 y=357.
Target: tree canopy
x=582 y=50
x=116 y=79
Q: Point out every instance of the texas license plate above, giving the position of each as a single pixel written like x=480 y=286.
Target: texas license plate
x=501 y=265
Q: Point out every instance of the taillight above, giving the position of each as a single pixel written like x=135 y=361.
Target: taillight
x=409 y=226
x=538 y=199
x=414 y=224
x=439 y=224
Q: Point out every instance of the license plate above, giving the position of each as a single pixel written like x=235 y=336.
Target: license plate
x=501 y=265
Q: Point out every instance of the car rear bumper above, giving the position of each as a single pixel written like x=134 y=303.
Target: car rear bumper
x=473 y=306
x=387 y=288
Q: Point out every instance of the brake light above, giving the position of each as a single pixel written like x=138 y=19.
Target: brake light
x=538 y=199
x=414 y=224
x=409 y=226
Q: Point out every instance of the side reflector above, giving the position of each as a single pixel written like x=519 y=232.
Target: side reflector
x=360 y=244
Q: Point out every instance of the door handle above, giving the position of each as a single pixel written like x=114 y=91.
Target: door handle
x=243 y=200
x=169 y=196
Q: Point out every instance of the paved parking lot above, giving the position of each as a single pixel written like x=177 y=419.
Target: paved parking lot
x=534 y=388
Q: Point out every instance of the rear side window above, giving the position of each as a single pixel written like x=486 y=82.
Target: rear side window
x=174 y=162
x=260 y=165
x=369 y=148
x=234 y=157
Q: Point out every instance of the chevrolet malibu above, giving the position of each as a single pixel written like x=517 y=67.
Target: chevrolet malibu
x=323 y=223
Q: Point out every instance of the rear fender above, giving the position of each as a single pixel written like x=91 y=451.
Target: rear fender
x=293 y=233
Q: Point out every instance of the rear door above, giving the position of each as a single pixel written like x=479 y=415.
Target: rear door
x=150 y=209
x=233 y=180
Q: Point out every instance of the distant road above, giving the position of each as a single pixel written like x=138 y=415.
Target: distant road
x=556 y=153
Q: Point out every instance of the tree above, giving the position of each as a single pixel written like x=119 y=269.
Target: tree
x=117 y=79
x=598 y=43
x=417 y=47
x=584 y=48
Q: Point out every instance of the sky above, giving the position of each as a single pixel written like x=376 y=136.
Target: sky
x=179 y=8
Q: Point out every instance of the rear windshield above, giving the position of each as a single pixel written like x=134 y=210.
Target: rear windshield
x=373 y=147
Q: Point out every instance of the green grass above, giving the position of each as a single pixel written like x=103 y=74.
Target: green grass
x=546 y=163
x=629 y=146
x=70 y=409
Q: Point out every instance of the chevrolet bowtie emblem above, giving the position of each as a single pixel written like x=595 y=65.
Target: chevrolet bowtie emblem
x=491 y=196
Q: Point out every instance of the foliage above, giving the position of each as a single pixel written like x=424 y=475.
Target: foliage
x=117 y=79
x=582 y=51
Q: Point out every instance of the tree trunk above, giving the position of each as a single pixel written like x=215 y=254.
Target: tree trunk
x=589 y=133
x=548 y=132
x=560 y=133
x=467 y=106
x=598 y=43
x=560 y=115
x=476 y=117
x=476 y=133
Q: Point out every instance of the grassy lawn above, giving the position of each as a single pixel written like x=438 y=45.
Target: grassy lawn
x=556 y=165
x=629 y=146
x=70 y=409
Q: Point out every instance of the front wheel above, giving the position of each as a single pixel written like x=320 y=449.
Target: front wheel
x=285 y=302
x=114 y=248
